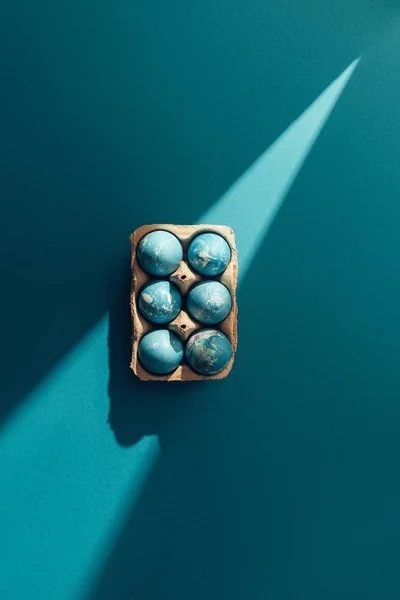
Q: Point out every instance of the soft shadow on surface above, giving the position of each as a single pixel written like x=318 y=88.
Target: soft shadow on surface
x=278 y=481
x=117 y=114
x=137 y=408
x=186 y=496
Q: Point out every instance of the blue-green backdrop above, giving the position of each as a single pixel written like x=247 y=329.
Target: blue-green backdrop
x=280 y=482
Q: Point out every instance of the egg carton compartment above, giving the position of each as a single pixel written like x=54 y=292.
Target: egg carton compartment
x=184 y=277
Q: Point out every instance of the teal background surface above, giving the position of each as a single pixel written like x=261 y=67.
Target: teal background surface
x=281 y=481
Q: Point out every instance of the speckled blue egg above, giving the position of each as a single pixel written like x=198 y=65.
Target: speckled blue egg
x=209 y=254
x=159 y=253
x=160 y=301
x=209 y=302
x=160 y=351
x=208 y=351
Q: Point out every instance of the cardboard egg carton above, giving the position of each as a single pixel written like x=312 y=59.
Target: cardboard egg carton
x=184 y=278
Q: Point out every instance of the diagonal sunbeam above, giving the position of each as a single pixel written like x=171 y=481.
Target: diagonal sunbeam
x=94 y=488
x=251 y=204
x=67 y=486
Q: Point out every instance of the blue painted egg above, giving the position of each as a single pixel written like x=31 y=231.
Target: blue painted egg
x=159 y=253
x=160 y=351
x=160 y=301
x=209 y=302
x=208 y=351
x=209 y=254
